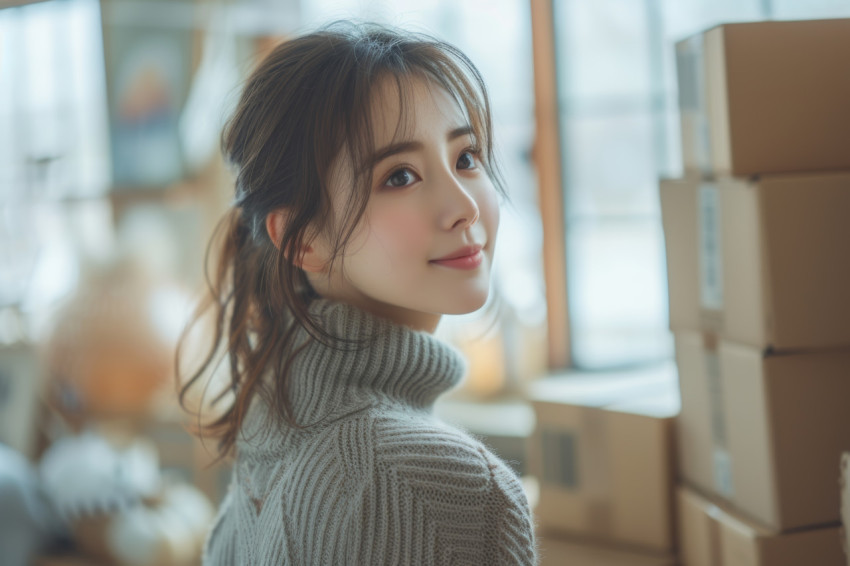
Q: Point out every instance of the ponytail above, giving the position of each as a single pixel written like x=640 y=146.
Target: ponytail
x=240 y=329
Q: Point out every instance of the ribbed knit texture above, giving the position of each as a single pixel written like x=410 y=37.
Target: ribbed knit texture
x=376 y=478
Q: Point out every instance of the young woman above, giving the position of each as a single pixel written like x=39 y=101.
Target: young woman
x=367 y=205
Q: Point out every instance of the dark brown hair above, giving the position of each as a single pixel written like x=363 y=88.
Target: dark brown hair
x=305 y=105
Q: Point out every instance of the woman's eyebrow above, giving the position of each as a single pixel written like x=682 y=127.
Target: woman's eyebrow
x=412 y=145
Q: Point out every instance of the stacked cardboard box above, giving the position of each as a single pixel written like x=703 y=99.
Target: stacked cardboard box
x=759 y=282
x=765 y=97
x=603 y=453
x=712 y=535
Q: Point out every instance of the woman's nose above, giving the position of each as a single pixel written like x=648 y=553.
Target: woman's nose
x=459 y=209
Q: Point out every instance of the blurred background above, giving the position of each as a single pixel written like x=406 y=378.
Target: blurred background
x=111 y=182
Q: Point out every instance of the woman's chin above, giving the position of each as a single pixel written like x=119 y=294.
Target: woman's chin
x=466 y=304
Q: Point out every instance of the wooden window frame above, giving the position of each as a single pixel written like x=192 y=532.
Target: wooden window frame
x=547 y=158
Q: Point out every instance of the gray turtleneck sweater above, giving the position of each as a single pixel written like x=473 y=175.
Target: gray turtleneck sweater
x=375 y=478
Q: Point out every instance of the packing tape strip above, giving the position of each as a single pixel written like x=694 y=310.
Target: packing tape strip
x=559 y=461
x=710 y=249
x=693 y=101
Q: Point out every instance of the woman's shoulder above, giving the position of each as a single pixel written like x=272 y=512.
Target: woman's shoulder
x=389 y=439
x=436 y=483
x=400 y=432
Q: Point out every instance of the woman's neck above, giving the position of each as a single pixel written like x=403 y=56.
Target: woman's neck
x=415 y=320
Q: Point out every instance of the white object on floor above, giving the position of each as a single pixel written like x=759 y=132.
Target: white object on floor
x=84 y=474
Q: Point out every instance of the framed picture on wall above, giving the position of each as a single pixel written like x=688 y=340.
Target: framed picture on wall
x=148 y=55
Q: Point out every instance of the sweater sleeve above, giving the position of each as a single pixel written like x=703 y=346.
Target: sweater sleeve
x=439 y=497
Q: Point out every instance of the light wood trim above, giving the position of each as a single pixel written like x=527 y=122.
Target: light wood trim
x=17 y=3
x=547 y=158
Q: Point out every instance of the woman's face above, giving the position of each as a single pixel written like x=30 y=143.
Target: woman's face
x=431 y=199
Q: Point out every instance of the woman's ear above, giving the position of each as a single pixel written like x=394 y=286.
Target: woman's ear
x=309 y=256
x=275 y=224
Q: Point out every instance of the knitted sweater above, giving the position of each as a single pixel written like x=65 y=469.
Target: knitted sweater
x=375 y=478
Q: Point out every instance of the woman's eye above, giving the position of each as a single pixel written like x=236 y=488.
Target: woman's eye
x=466 y=160
x=401 y=178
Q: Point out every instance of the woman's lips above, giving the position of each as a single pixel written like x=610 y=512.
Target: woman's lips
x=465 y=262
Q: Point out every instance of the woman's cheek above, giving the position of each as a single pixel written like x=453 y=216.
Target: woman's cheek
x=401 y=231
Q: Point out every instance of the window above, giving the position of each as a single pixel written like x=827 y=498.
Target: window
x=619 y=132
x=53 y=175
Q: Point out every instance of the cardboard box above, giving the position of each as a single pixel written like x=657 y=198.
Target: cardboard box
x=712 y=535
x=765 y=97
x=764 y=432
x=602 y=450
x=560 y=551
x=762 y=262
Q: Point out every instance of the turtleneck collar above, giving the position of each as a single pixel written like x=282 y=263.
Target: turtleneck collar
x=400 y=365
